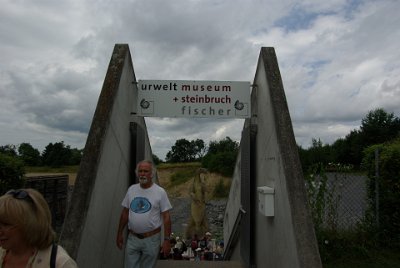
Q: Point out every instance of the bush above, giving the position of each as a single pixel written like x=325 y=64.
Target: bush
x=11 y=173
x=386 y=221
x=321 y=199
x=221 y=162
x=221 y=157
x=221 y=190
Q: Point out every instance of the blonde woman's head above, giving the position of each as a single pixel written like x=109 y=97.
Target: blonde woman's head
x=27 y=210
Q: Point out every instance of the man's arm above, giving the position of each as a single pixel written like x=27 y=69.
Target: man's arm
x=123 y=221
x=166 y=247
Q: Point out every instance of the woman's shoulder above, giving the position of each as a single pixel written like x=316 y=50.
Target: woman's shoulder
x=63 y=259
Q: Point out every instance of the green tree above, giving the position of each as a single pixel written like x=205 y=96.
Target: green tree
x=221 y=156
x=8 y=149
x=224 y=145
x=354 y=146
x=180 y=152
x=317 y=153
x=57 y=154
x=29 y=155
x=340 y=151
x=199 y=148
x=156 y=159
x=76 y=156
x=186 y=151
x=379 y=126
x=11 y=173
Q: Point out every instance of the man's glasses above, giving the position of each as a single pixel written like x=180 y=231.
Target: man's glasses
x=20 y=194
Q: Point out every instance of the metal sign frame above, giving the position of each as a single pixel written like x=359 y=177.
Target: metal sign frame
x=186 y=98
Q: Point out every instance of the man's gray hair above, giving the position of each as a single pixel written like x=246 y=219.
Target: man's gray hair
x=153 y=169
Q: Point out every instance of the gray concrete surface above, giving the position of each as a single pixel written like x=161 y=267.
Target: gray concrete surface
x=288 y=238
x=89 y=231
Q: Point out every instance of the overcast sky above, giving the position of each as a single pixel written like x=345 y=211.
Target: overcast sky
x=338 y=60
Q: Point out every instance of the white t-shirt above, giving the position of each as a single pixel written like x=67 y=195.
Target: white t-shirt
x=145 y=207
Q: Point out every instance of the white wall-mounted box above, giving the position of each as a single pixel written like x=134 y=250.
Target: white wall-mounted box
x=266 y=200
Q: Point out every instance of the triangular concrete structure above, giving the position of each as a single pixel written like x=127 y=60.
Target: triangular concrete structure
x=117 y=140
x=269 y=158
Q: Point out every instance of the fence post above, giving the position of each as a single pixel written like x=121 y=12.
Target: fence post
x=377 y=187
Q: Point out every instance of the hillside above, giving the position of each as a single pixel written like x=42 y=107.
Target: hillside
x=178 y=188
x=184 y=174
x=177 y=179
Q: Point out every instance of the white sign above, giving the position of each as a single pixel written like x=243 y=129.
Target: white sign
x=181 y=98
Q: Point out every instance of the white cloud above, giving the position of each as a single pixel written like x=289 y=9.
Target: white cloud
x=338 y=60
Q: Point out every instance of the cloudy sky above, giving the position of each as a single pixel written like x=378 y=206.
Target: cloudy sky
x=339 y=59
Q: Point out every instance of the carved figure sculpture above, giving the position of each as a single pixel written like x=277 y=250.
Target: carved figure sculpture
x=198 y=224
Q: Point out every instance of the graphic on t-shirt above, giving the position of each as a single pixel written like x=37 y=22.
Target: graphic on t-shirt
x=140 y=205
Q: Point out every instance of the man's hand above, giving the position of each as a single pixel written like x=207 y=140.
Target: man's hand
x=166 y=248
x=120 y=240
x=123 y=221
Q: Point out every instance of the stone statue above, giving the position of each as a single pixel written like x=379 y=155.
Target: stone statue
x=198 y=224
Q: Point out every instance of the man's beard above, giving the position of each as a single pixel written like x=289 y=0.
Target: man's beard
x=143 y=180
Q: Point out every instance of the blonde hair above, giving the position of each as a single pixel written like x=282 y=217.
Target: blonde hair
x=31 y=215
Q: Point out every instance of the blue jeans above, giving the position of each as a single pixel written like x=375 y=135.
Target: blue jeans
x=142 y=253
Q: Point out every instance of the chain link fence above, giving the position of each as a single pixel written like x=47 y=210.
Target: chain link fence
x=349 y=194
x=340 y=198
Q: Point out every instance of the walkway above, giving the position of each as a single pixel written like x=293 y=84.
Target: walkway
x=198 y=264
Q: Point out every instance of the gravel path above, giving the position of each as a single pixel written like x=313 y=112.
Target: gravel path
x=180 y=215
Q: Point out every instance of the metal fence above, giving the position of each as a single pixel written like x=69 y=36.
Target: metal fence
x=345 y=199
x=55 y=190
x=350 y=193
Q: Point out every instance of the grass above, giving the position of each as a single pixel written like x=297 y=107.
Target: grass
x=182 y=173
x=182 y=176
x=45 y=169
x=375 y=258
x=356 y=248
x=179 y=165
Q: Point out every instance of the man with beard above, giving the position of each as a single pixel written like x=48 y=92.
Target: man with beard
x=145 y=209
